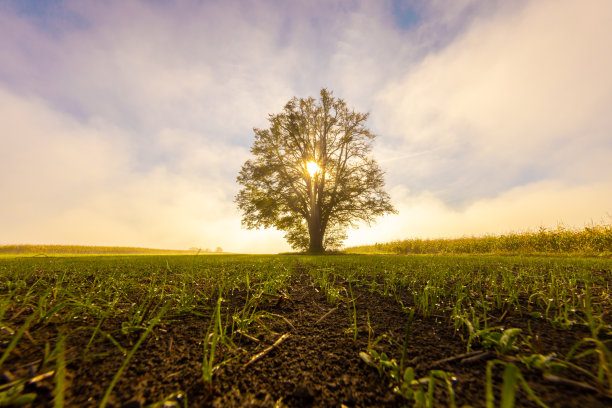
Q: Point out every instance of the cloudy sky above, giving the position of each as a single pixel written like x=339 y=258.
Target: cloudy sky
x=125 y=122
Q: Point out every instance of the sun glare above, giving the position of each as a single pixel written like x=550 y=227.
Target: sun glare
x=312 y=167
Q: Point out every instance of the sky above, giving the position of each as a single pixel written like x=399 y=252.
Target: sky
x=125 y=122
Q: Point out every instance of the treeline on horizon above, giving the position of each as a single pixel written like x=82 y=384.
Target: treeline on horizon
x=596 y=240
x=85 y=250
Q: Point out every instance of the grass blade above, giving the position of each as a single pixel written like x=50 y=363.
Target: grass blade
x=126 y=361
x=60 y=375
x=16 y=338
x=490 y=398
x=509 y=386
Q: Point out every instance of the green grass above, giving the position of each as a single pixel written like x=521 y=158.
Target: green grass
x=142 y=291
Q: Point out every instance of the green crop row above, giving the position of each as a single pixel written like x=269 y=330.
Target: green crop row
x=590 y=240
x=229 y=292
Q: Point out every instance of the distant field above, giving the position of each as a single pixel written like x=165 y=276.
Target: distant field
x=295 y=330
x=32 y=250
x=592 y=241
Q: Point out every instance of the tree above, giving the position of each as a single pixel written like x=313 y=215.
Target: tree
x=312 y=175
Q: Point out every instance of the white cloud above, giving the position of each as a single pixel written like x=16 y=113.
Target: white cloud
x=65 y=182
x=46 y=156
x=519 y=97
x=524 y=208
x=126 y=124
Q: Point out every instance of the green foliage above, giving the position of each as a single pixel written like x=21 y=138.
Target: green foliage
x=214 y=335
x=314 y=209
x=545 y=363
x=502 y=341
x=512 y=378
x=405 y=382
x=594 y=346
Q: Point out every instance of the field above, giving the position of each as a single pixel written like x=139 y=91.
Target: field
x=82 y=250
x=296 y=330
x=595 y=240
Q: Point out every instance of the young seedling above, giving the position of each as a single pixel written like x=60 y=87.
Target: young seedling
x=60 y=374
x=406 y=338
x=512 y=378
x=595 y=346
x=127 y=359
x=214 y=336
x=546 y=363
x=503 y=341
x=406 y=384
x=353 y=315
x=16 y=337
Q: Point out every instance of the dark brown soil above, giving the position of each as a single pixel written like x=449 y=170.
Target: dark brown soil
x=318 y=365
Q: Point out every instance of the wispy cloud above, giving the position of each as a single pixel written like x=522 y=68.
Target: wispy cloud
x=523 y=96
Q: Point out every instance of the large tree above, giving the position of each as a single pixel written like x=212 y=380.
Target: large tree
x=312 y=174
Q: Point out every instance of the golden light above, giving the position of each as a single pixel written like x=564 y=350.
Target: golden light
x=312 y=167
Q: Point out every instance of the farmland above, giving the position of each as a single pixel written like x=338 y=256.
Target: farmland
x=595 y=240
x=297 y=330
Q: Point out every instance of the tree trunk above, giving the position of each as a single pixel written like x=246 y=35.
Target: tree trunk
x=314 y=226
x=316 y=238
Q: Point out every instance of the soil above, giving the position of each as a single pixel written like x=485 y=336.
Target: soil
x=317 y=365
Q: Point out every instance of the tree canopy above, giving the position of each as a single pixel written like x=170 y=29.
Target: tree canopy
x=312 y=174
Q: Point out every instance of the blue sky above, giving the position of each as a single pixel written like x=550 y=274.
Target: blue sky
x=126 y=122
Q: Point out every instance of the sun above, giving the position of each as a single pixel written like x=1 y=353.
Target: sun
x=312 y=167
